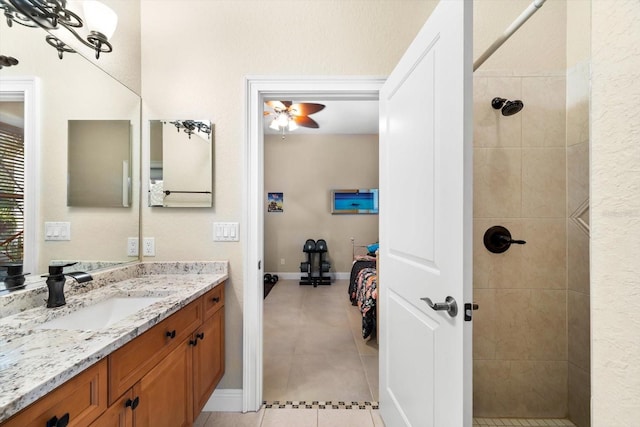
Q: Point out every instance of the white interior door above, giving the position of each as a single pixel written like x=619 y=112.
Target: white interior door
x=425 y=225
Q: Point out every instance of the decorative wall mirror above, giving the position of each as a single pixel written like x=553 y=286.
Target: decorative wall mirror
x=99 y=168
x=181 y=163
x=71 y=89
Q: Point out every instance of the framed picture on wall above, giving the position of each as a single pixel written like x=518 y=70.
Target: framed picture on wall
x=356 y=201
x=275 y=202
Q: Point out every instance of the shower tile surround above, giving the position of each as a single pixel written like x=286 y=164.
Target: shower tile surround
x=34 y=362
x=520 y=332
x=578 y=292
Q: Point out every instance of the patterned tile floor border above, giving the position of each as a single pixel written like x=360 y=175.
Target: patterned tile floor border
x=316 y=404
x=518 y=422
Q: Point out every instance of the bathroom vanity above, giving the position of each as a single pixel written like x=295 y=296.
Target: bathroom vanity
x=156 y=366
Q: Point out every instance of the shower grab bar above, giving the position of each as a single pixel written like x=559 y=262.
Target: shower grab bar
x=524 y=16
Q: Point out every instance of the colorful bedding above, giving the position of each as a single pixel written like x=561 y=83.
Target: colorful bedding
x=363 y=292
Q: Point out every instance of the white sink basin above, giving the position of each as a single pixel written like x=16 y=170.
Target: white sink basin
x=100 y=315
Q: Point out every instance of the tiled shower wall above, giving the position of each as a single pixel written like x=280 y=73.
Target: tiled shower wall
x=578 y=242
x=520 y=330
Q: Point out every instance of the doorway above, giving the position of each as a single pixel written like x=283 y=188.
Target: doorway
x=257 y=91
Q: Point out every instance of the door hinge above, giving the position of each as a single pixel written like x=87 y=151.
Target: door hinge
x=259 y=264
x=468 y=311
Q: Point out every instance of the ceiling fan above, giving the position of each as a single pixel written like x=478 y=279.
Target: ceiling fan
x=287 y=115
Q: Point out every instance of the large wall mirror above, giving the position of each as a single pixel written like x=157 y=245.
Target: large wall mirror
x=181 y=163
x=74 y=90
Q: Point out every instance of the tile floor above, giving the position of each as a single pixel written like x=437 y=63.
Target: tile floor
x=313 y=346
x=316 y=363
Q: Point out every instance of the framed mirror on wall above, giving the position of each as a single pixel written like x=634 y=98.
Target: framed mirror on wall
x=181 y=163
x=99 y=172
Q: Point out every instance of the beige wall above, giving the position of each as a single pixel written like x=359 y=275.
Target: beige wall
x=194 y=65
x=306 y=168
x=615 y=213
x=539 y=45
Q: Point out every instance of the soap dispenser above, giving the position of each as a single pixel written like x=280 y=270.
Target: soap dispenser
x=56 y=280
x=15 y=277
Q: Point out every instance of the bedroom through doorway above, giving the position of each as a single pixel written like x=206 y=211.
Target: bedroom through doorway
x=314 y=352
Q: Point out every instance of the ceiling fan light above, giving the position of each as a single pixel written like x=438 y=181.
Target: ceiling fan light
x=292 y=125
x=274 y=125
x=283 y=120
x=100 y=18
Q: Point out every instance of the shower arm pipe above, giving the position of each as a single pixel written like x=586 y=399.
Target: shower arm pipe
x=524 y=16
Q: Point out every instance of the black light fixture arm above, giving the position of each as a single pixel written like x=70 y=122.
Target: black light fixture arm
x=51 y=15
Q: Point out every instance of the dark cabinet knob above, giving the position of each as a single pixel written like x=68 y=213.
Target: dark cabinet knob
x=215 y=299
x=171 y=334
x=133 y=404
x=194 y=342
x=58 y=422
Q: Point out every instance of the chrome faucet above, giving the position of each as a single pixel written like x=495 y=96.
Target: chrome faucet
x=56 y=280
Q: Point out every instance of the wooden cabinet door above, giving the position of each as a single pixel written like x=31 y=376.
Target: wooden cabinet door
x=166 y=392
x=208 y=359
x=120 y=414
x=132 y=361
x=81 y=399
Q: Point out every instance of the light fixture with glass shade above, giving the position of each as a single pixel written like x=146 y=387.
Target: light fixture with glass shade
x=101 y=21
x=289 y=116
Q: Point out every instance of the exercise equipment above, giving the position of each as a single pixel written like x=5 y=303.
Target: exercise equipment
x=271 y=278
x=316 y=264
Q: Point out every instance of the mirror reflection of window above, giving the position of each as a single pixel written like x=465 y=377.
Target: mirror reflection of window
x=181 y=171
x=99 y=163
x=11 y=184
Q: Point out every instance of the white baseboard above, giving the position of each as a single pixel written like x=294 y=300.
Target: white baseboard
x=225 y=400
x=297 y=276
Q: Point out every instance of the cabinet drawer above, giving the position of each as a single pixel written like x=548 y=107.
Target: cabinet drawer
x=213 y=300
x=129 y=363
x=83 y=398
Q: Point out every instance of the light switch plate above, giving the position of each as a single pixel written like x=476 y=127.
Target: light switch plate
x=57 y=230
x=226 y=232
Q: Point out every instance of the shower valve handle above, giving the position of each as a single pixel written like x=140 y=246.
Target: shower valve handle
x=508 y=239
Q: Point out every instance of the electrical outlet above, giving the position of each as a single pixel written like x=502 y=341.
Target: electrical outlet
x=132 y=246
x=281 y=261
x=149 y=246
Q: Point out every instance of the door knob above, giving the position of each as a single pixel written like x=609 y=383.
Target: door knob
x=450 y=305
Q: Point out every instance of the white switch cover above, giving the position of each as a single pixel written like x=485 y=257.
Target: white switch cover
x=226 y=232
x=57 y=231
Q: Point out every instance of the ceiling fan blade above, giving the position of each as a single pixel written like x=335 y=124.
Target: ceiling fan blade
x=287 y=103
x=306 y=108
x=277 y=104
x=305 y=122
x=266 y=113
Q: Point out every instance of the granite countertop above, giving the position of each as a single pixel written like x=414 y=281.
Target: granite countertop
x=35 y=361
